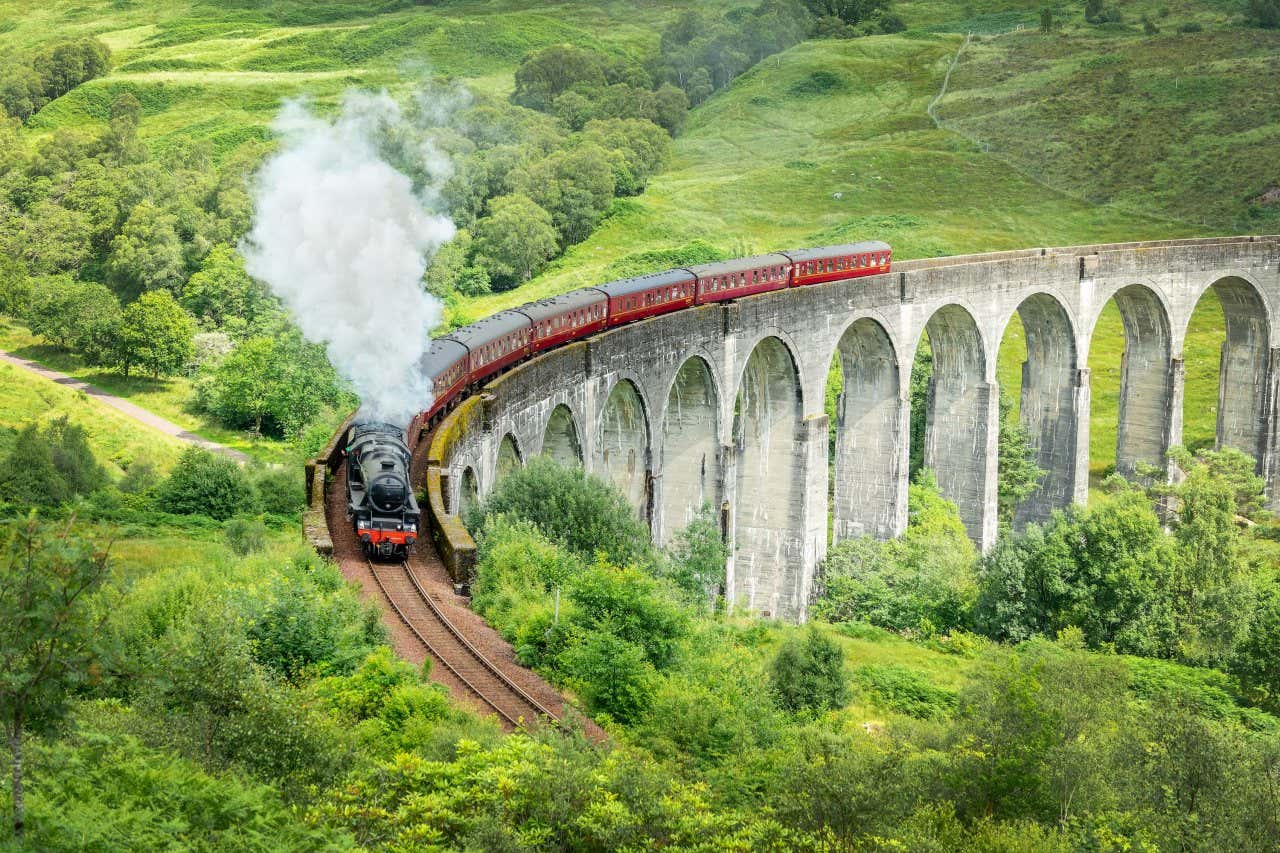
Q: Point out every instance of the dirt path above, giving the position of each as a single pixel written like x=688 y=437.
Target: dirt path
x=138 y=413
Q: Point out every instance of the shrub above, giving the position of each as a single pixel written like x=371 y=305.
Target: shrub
x=246 y=536
x=279 y=490
x=921 y=582
x=905 y=690
x=610 y=674
x=49 y=466
x=204 y=484
x=808 y=673
x=575 y=509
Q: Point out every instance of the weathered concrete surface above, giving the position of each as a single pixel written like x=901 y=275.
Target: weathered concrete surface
x=743 y=423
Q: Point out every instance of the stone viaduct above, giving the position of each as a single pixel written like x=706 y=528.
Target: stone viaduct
x=724 y=404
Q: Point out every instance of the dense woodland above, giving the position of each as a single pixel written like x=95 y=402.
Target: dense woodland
x=177 y=671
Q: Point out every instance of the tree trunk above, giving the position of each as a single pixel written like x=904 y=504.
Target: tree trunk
x=19 y=808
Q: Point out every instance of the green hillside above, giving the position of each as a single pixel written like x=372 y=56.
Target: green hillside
x=1107 y=682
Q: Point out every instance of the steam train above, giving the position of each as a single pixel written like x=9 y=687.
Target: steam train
x=467 y=357
x=380 y=502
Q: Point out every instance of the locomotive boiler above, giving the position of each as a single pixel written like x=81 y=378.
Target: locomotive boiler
x=380 y=502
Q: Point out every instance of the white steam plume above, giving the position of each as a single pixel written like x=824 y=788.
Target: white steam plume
x=342 y=238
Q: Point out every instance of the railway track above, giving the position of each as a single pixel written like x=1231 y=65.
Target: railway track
x=448 y=647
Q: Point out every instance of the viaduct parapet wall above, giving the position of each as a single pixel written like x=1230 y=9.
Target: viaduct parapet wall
x=724 y=404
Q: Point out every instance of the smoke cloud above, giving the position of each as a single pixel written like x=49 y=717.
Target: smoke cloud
x=342 y=238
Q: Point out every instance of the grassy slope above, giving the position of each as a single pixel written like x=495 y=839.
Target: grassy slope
x=116 y=440
x=169 y=397
x=829 y=141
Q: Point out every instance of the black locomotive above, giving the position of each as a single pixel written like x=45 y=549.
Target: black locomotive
x=380 y=501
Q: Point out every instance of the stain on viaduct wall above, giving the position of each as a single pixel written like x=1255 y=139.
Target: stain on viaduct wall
x=724 y=404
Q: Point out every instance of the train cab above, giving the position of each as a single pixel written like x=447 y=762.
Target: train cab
x=833 y=263
x=644 y=296
x=565 y=318
x=726 y=280
x=493 y=343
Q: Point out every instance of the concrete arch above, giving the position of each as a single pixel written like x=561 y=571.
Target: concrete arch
x=690 y=447
x=769 y=332
x=869 y=436
x=961 y=413
x=560 y=438
x=769 y=516
x=509 y=458
x=1242 y=367
x=1050 y=405
x=468 y=491
x=1146 y=378
x=622 y=444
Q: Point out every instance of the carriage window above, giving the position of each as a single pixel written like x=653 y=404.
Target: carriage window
x=755 y=276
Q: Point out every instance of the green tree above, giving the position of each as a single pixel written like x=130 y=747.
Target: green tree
x=21 y=90
x=73 y=458
x=574 y=186
x=611 y=674
x=696 y=557
x=147 y=253
x=544 y=74
x=156 y=335
x=1265 y=13
x=275 y=385
x=53 y=239
x=1210 y=591
x=48 y=631
x=29 y=477
x=66 y=65
x=672 y=107
x=240 y=392
x=642 y=145
x=221 y=295
x=1019 y=475
x=126 y=115
x=808 y=673
x=1032 y=733
x=204 y=484
x=80 y=316
x=579 y=511
x=1257 y=659
x=921 y=370
x=922 y=581
x=1103 y=569
x=514 y=241
x=451 y=270
x=16 y=291
x=630 y=604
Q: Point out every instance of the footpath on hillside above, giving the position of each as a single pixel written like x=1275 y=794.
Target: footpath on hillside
x=122 y=405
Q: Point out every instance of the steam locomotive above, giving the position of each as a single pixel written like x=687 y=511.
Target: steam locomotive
x=380 y=502
x=470 y=355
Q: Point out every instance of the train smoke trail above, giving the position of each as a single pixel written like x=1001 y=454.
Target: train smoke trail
x=342 y=238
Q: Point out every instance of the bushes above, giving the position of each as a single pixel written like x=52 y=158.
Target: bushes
x=81 y=316
x=204 y=484
x=50 y=466
x=905 y=691
x=921 y=582
x=581 y=512
x=275 y=385
x=808 y=674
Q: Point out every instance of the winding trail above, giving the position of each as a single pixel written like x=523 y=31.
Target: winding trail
x=123 y=406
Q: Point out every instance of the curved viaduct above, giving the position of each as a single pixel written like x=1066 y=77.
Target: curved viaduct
x=724 y=404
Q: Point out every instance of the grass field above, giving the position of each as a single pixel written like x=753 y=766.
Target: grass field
x=1089 y=134
x=171 y=398
x=116 y=440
